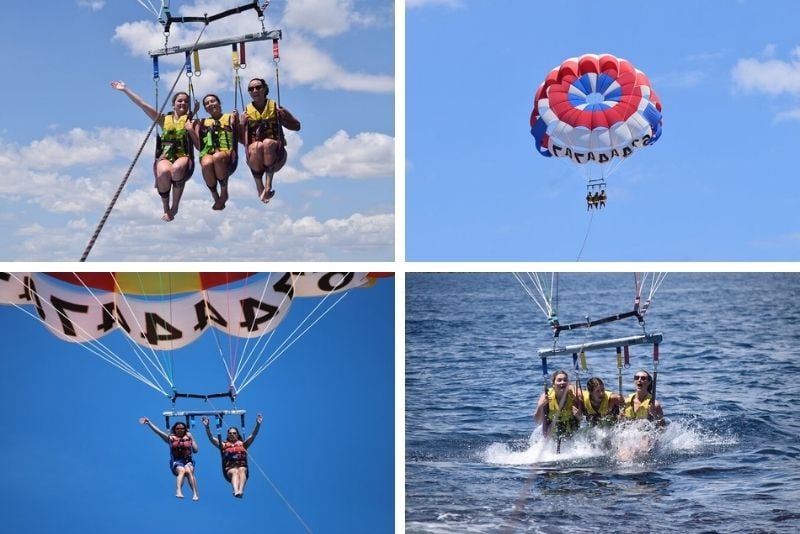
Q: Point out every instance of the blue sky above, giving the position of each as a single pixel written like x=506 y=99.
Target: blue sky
x=68 y=138
x=718 y=185
x=81 y=458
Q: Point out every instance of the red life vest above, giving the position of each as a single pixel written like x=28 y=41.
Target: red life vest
x=180 y=447
x=234 y=451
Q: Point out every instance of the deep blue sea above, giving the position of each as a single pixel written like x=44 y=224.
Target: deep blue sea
x=728 y=379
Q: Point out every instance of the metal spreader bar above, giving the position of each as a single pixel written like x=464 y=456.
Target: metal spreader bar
x=646 y=339
x=249 y=37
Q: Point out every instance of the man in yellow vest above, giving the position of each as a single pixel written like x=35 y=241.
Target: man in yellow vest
x=262 y=127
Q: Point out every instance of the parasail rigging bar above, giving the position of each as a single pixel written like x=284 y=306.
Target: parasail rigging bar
x=249 y=37
x=646 y=339
x=189 y=416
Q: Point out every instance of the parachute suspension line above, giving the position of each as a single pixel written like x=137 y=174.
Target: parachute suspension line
x=586 y=237
x=540 y=297
x=93 y=346
x=140 y=353
x=249 y=353
x=150 y=8
x=291 y=339
x=114 y=199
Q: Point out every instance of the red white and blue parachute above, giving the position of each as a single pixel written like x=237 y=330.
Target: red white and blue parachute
x=595 y=109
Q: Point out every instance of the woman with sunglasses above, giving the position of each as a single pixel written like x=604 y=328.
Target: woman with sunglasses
x=181 y=446
x=234 y=454
x=262 y=127
x=215 y=137
x=640 y=404
x=174 y=162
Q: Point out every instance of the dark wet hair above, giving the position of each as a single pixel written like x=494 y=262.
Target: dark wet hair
x=262 y=80
x=238 y=434
x=181 y=423
x=559 y=372
x=215 y=96
x=593 y=382
x=179 y=93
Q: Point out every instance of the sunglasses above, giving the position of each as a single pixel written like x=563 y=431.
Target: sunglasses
x=254 y=88
x=640 y=378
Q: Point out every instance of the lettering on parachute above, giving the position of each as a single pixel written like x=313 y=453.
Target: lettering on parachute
x=600 y=157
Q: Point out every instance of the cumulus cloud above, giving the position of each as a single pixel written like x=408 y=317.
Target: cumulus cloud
x=312 y=66
x=58 y=200
x=768 y=75
x=303 y=60
x=367 y=155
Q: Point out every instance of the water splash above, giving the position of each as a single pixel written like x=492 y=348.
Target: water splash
x=624 y=443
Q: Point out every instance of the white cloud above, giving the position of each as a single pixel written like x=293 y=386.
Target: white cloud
x=367 y=155
x=58 y=201
x=789 y=115
x=303 y=61
x=93 y=5
x=769 y=76
x=312 y=66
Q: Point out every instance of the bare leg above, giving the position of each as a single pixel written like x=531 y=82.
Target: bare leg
x=242 y=480
x=179 y=482
x=164 y=185
x=179 y=171
x=210 y=177
x=221 y=162
x=192 y=482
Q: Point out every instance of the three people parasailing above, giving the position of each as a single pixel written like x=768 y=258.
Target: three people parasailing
x=562 y=407
x=259 y=129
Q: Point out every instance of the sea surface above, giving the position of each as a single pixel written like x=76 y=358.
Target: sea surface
x=728 y=380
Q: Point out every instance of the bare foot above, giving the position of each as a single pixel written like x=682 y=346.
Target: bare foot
x=217 y=205
x=267 y=195
x=167 y=217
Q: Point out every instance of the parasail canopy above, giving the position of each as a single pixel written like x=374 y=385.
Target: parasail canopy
x=595 y=108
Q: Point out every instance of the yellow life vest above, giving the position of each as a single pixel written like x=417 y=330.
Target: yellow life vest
x=642 y=412
x=565 y=421
x=587 y=404
x=263 y=124
x=600 y=416
x=173 y=143
x=216 y=134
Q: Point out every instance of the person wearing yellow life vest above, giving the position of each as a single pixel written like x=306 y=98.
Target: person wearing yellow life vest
x=181 y=446
x=216 y=137
x=261 y=133
x=640 y=404
x=558 y=406
x=599 y=406
x=174 y=162
x=234 y=454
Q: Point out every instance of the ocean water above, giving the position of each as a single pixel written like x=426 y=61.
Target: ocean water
x=728 y=380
